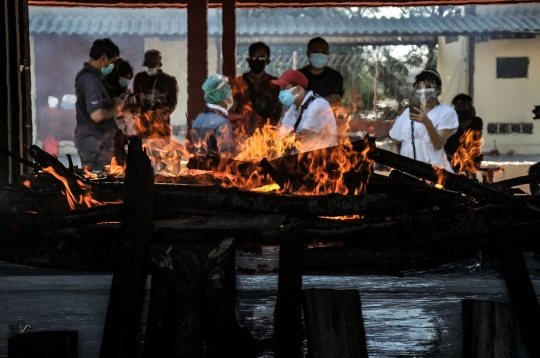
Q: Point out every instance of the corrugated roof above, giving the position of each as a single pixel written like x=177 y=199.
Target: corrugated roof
x=173 y=22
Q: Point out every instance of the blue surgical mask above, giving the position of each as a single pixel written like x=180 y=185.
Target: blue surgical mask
x=124 y=82
x=286 y=97
x=318 y=60
x=151 y=71
x=229 y=105
x=106 y=70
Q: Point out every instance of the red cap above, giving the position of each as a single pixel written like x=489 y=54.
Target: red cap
x=291 y=76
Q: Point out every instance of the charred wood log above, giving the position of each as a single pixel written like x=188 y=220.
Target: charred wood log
x=32 y=221
x=287 y=315
x=127 y=290
x=334 y=324
x=44 y=160
x=526 y=179
x=246 y=201
x=519 y=287
x=202 y=280
x=488 y=329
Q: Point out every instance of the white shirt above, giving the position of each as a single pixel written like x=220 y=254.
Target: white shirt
x=318 y=118
x=443 y=117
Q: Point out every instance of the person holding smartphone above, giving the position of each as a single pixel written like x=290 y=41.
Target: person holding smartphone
x=421 y=132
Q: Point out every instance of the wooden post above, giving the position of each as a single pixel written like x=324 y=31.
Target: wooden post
x=197 y=56
x=127 y=290
x=288 y=314
x=519 y=287
x=228 y=38
x=488 y=329
x=334 y=324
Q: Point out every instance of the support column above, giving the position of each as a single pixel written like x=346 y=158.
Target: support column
x=197 y=57
x=228 y=38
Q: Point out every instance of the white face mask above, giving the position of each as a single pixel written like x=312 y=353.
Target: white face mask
x=426 y=95
x=151 y=71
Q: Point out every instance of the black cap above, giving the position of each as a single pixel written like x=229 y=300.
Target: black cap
x=152 y=58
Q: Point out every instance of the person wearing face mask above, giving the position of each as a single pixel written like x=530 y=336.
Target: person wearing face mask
x=116 y=84
x=468 y=121
x=422 y=133
x=96 y=127
x=323 y=80
x=158 y=94
x=256 y=100
x=211 y=132
x=118 y=80
x=309 y=117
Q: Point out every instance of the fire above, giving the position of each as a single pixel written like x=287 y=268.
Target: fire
x=85 y=199
x=466 y=157
x=267 y=188
x=345 y=217
x=88 y=174
x=441 y=177
x=114 y=169
x=26 y=183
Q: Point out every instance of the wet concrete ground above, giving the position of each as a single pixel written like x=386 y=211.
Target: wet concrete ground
x=416 y=315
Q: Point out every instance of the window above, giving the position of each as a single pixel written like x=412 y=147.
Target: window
x=512 y=67
x=510 y=128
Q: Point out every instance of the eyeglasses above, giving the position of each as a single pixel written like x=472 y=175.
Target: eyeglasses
x=258 y=58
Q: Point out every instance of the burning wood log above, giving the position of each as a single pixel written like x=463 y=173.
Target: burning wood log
x=127 y=290
x=452 y=181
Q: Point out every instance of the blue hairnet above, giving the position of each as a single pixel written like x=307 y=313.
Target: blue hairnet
x=216 y=89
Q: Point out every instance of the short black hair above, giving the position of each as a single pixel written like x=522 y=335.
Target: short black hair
x=315 y=40
x=430 y=74
x=105 y=47
x=257 y=45
x=124 y=67
x=462 y=97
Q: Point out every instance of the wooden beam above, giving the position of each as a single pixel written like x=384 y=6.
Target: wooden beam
x=197 y=68
x=228 y=38
x=269 y=3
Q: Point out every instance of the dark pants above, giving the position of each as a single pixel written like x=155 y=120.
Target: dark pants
x=96 y=160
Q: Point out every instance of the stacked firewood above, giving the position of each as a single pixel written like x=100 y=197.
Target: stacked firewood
x=179 y=228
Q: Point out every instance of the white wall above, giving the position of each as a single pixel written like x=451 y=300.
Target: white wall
x=508 y=100
x=453 y=65
x=174 y=53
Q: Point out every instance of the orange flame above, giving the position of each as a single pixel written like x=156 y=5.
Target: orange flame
x=88 y=174
x=114 y=169
x=466 y=157
x=345 y=217
x=26 y=183
x=84 y=198
x=441 y=177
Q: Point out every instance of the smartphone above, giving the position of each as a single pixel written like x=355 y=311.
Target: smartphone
x=414 y=102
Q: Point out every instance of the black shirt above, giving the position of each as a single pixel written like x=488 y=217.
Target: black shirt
x=91 y=96
x=452 y=143
x=325 y=83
